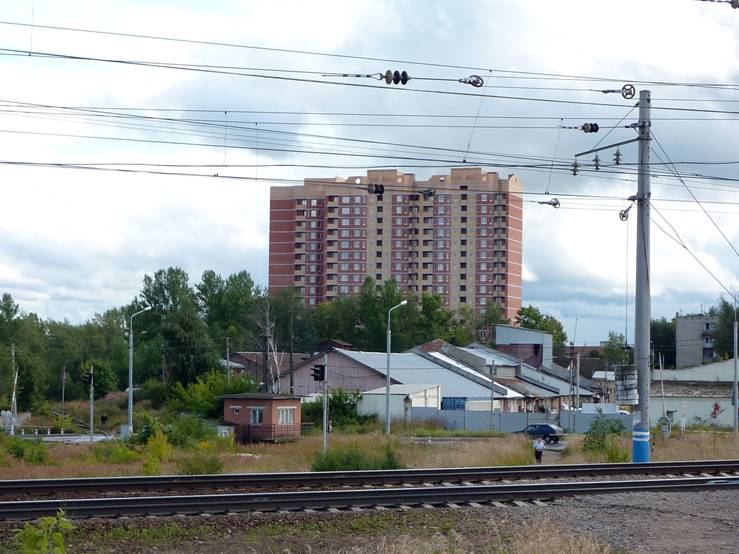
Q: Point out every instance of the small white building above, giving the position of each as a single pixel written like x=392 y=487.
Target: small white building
x=402 y=399
x=693 y=400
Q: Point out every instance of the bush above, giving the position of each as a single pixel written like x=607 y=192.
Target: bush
x=114 y=452
x=342 y=407
x=158 y=447
x=615 y=452
x=31 y=451
x=152 y=466
x=46 y=536
x=204 y=396
x=596 y=437
x=186 y=431
x=201 y=463
x=155 y=392
x=148 y=426
x=351 y=458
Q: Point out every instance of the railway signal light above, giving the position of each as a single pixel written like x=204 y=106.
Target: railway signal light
x=396 y=77
x=319 y=372
x=88 y=378
x=374 y=188
x=590 y=127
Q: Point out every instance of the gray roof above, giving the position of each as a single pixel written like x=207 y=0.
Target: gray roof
x=679 y=389
x=527 y=372
x=401 y=389
x=412 y=369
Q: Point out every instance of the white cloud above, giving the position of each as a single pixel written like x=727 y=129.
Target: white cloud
x=76 y=242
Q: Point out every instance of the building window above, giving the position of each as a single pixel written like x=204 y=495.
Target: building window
x=256 y=416
x=235 y=410
x=285 y=416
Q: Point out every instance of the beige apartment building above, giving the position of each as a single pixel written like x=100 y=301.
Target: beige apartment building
x=456 y=235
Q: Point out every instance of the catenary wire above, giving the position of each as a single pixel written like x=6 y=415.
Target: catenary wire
x=496 y=71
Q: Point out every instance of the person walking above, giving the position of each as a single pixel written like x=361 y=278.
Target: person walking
x=539 y=449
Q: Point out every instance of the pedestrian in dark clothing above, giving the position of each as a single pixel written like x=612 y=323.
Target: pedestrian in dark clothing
x=539 y=449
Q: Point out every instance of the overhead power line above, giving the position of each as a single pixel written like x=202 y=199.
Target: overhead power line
x=390 y=187
x=494 y=70
x=348 y=84
x=679 y=177
x=679 y=241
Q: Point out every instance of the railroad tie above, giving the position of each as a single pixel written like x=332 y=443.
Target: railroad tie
x=356 y=509
x=404 y=508
x=520 y=503
x=475 y=504
x=453 y=505
x=538 y=502
x=334 y=510
x=499 y=504
x=427 y=506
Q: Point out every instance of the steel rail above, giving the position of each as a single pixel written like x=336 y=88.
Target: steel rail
x=354 y=478
x=355 y=498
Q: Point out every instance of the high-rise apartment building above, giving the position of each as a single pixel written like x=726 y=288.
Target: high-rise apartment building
x=457 y=235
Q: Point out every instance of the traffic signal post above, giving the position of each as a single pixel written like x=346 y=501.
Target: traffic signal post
x=319 y=374
x=91 y=382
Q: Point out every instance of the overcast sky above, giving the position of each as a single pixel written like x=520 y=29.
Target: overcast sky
x=76 y=242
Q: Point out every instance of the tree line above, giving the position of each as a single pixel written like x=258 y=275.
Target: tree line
x=183 y=335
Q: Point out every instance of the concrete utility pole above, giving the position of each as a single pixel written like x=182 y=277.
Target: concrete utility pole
x=491 y=369
x=387 y=368
x=64 y=382
x=228 y=359
x=642 y=308
x=292 y=347
x=92 y=401
x=735 y=384
x=325 y=402
x=13 y=398
x=130 y=370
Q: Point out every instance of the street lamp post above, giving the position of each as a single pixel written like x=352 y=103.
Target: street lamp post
x=387 y=372
x=130 y=369
x=734 y=383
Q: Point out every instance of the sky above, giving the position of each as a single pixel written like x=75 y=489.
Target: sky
x=75 y=242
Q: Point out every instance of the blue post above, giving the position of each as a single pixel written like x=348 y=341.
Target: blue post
x=640 y=451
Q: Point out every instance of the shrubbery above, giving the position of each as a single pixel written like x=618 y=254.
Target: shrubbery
x=351 y=458
x=114 y=452
x=200 y=463
x=204 y=396
x=45 y=536
x=342 y=409
x=31 y=451
x=603 y=441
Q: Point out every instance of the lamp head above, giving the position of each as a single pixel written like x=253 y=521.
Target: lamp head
x=403 y=303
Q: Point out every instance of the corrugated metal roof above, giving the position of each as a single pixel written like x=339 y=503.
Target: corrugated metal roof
x=491 y=356
x=526 y=389
x=401 y=389
x=510 y=393
x=412 y=369
x=527 y=371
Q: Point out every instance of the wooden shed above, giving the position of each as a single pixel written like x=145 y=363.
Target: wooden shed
x=261 y=416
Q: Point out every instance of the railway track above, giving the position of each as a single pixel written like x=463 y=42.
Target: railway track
x=338 y=479
x=356 y=499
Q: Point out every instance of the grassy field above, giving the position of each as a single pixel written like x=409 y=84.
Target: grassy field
x=439 y=531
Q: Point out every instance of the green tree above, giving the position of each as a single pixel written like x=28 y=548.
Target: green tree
x=531 y=317
x=293 y=321
x=104 y=378
x=724 y=333
x=615 y=351
x=663 y=340
x=175 y=315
